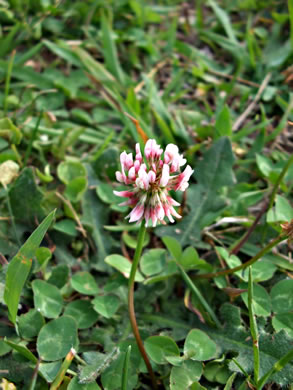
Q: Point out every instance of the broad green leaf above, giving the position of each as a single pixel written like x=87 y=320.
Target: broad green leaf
x=59 y=275
x=265 y=165
x=20 y=265
x=26 y=189
x=190 y=260
x=131 y=241
x=70 y=170
x=282 y=296
x=83 y=312
x=43 y=255
x=182 y=377
x=153 y=261
x=159 y=347
x=173 y=247
x=75 y=189
x=76 y=385
x=283 y=321
x=4 y=348
x=216 y=372
x=66 y=226
x=50 y=370
x=123 y=265
x=261 y=270
x=30 y=323
x=282 y=211
x=106 y=305
x=56 y=338
x=261 y=301
x=84 y=283
x=23 y=350
x=213 y=172
x=47 y=298
x=197 y=386
x=198 y=346
x=223 y=123
x=105 y=193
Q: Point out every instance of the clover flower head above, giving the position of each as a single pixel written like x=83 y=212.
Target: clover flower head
x=151 y=182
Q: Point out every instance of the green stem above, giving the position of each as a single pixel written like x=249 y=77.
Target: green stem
x=197 y=293
x=278 y=366
x=131 y=311
x=62 y=371
x=240 y=367
x=253 y=328
x=126 y=368
x=34 y=377
x=260 y=254
x=80 y=360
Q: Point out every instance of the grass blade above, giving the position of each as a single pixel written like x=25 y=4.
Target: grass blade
x=126 y=369
x=198 y=294
x=110 y=51
x=278 y=366
x=20 y=265
x=253 y=327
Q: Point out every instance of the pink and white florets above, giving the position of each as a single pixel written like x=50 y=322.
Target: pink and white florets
x=152 y=181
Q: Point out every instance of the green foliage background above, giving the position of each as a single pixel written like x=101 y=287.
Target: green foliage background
x=214 y=77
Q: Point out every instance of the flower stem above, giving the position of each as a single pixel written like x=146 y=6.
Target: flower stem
x=253 y=328
x=132 y=317
x=240 y=267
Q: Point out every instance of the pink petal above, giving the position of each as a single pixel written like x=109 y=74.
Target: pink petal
x=147 y=215
x=160 y=212
x=153 y=217
x=129 y=202
x=119 y=176
x=172 y=202
x=129 y=161
x=170 y=151
x=165 y=175
x=142 y=181
x=124 y=194
x=136 y=213
x=132 y=173
x=138 y=155
x=148 y=148
x=174 y=212
x=152 y=149
x=152 y=176
x=182 y=181
x=168 y=213
x=136 y=165
x=123 y=157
